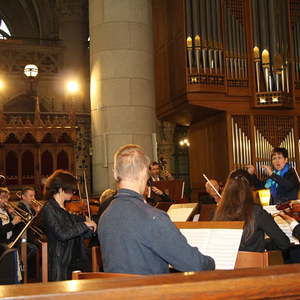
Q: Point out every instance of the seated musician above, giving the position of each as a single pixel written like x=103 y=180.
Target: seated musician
x=136 y=237
x=212 y=197
x=27 y=195
x=7 y=220
x=154 y=173
x=238 y=205
x=282 y=179
x=65 y=231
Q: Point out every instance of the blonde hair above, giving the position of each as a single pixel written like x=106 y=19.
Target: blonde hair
x=105 y=195
x=129 y=161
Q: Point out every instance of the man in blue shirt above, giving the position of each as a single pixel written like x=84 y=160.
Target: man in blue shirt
x=135 y=237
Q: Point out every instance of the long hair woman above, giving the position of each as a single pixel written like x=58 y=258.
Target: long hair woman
x=237 y=204
x=65 y=231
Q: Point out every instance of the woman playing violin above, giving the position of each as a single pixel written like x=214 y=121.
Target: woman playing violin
x=65 y=231
x=282 y=179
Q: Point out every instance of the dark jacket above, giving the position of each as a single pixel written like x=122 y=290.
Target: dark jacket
x=140 y=239
x=263 y=224
x=31 y=238
x=296 y=232
x=65 y=234
x=4 y=229
x=287 y=189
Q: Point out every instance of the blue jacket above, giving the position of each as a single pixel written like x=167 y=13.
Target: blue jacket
x=140 y=239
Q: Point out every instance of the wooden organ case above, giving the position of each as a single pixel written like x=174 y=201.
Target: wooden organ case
x=230 y=70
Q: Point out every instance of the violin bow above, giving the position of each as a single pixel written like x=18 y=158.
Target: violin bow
x=86 y=191
x=207 y=180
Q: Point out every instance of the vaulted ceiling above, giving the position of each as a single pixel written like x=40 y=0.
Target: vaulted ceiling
x=30 y=18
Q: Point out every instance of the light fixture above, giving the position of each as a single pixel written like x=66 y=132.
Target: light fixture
x=262 y=100
x=72 y=87
x=1 y=85
x=184 y=142
x=275 y=99
x=31 y=71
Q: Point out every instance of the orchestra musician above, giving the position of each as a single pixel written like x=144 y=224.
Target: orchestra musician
x=238 y=205
x=136 y=237
x=212 y=197
x=282 y=179
x=154 y=176
x=65 y=231
x=8 y=221
x=27 y=204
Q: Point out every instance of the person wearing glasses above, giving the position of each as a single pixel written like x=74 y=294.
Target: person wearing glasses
x=65 y=231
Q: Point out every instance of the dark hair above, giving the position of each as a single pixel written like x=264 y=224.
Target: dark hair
x=59 y=179
x=280 y=150
x=154 y=163
x=26 y=189
x=237 y=201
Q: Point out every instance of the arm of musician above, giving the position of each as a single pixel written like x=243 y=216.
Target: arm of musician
x=294 y=225
x=62 y=231
x=168 y=242
x=258 y=184
x=289 y=182
x=269 y=226
x=168 y=175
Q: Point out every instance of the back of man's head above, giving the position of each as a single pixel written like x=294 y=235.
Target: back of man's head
x=130 y=162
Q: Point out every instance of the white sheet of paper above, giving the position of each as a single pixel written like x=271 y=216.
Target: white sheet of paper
x=271 y=209
x=221 y=244
x=180 y=212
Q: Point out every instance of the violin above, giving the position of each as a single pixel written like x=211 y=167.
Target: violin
x=291 y=208
x=79 y=206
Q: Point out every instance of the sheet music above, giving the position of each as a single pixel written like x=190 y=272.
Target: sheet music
x=284 y=226
x=221 y=244
x=181 y=212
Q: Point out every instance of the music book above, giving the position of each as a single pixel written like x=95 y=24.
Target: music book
x=220 y=240
x=283 y=225
x=181 y=212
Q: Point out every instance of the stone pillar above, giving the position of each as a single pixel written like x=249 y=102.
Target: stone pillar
x=165 y=143
x=122 y=81
x=73 y=31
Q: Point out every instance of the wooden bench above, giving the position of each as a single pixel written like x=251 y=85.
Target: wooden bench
x=76 y=275
x=276 y=282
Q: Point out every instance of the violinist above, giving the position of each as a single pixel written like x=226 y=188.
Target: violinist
x=65 y=231
x=7 y=220
x=282 y=179
x=238 y=205
x=212 y=197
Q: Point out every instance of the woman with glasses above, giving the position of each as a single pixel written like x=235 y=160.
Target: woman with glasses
x=237 y=204
x=65 y=231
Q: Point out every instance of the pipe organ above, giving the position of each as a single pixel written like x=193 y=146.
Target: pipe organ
x=234 y=62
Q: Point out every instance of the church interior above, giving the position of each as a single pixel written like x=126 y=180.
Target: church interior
x=149 y=149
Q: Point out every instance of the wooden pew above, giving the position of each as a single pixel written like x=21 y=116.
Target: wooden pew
x=278 y=282
x=77 y=275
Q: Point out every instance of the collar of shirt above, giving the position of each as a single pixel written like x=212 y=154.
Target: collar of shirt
x=129 y=193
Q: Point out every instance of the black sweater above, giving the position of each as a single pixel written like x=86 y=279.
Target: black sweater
x=263 y=224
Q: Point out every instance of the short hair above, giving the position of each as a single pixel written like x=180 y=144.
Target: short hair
x=26 y=189
x=154 y=163
x=129 y=161
x=59 y=179
x=106 y=195
x=280 y=150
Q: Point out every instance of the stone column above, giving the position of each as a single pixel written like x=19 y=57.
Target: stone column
x=122 y=81
x=73 y=31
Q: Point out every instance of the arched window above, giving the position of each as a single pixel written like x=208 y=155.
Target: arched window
x=65 y=139
x=27 y=168
x=11 y=167
x=4 y=31
x=12 y=139
x=48 y=139
x=28 y=139
x=47 y=163
x=63 y=160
